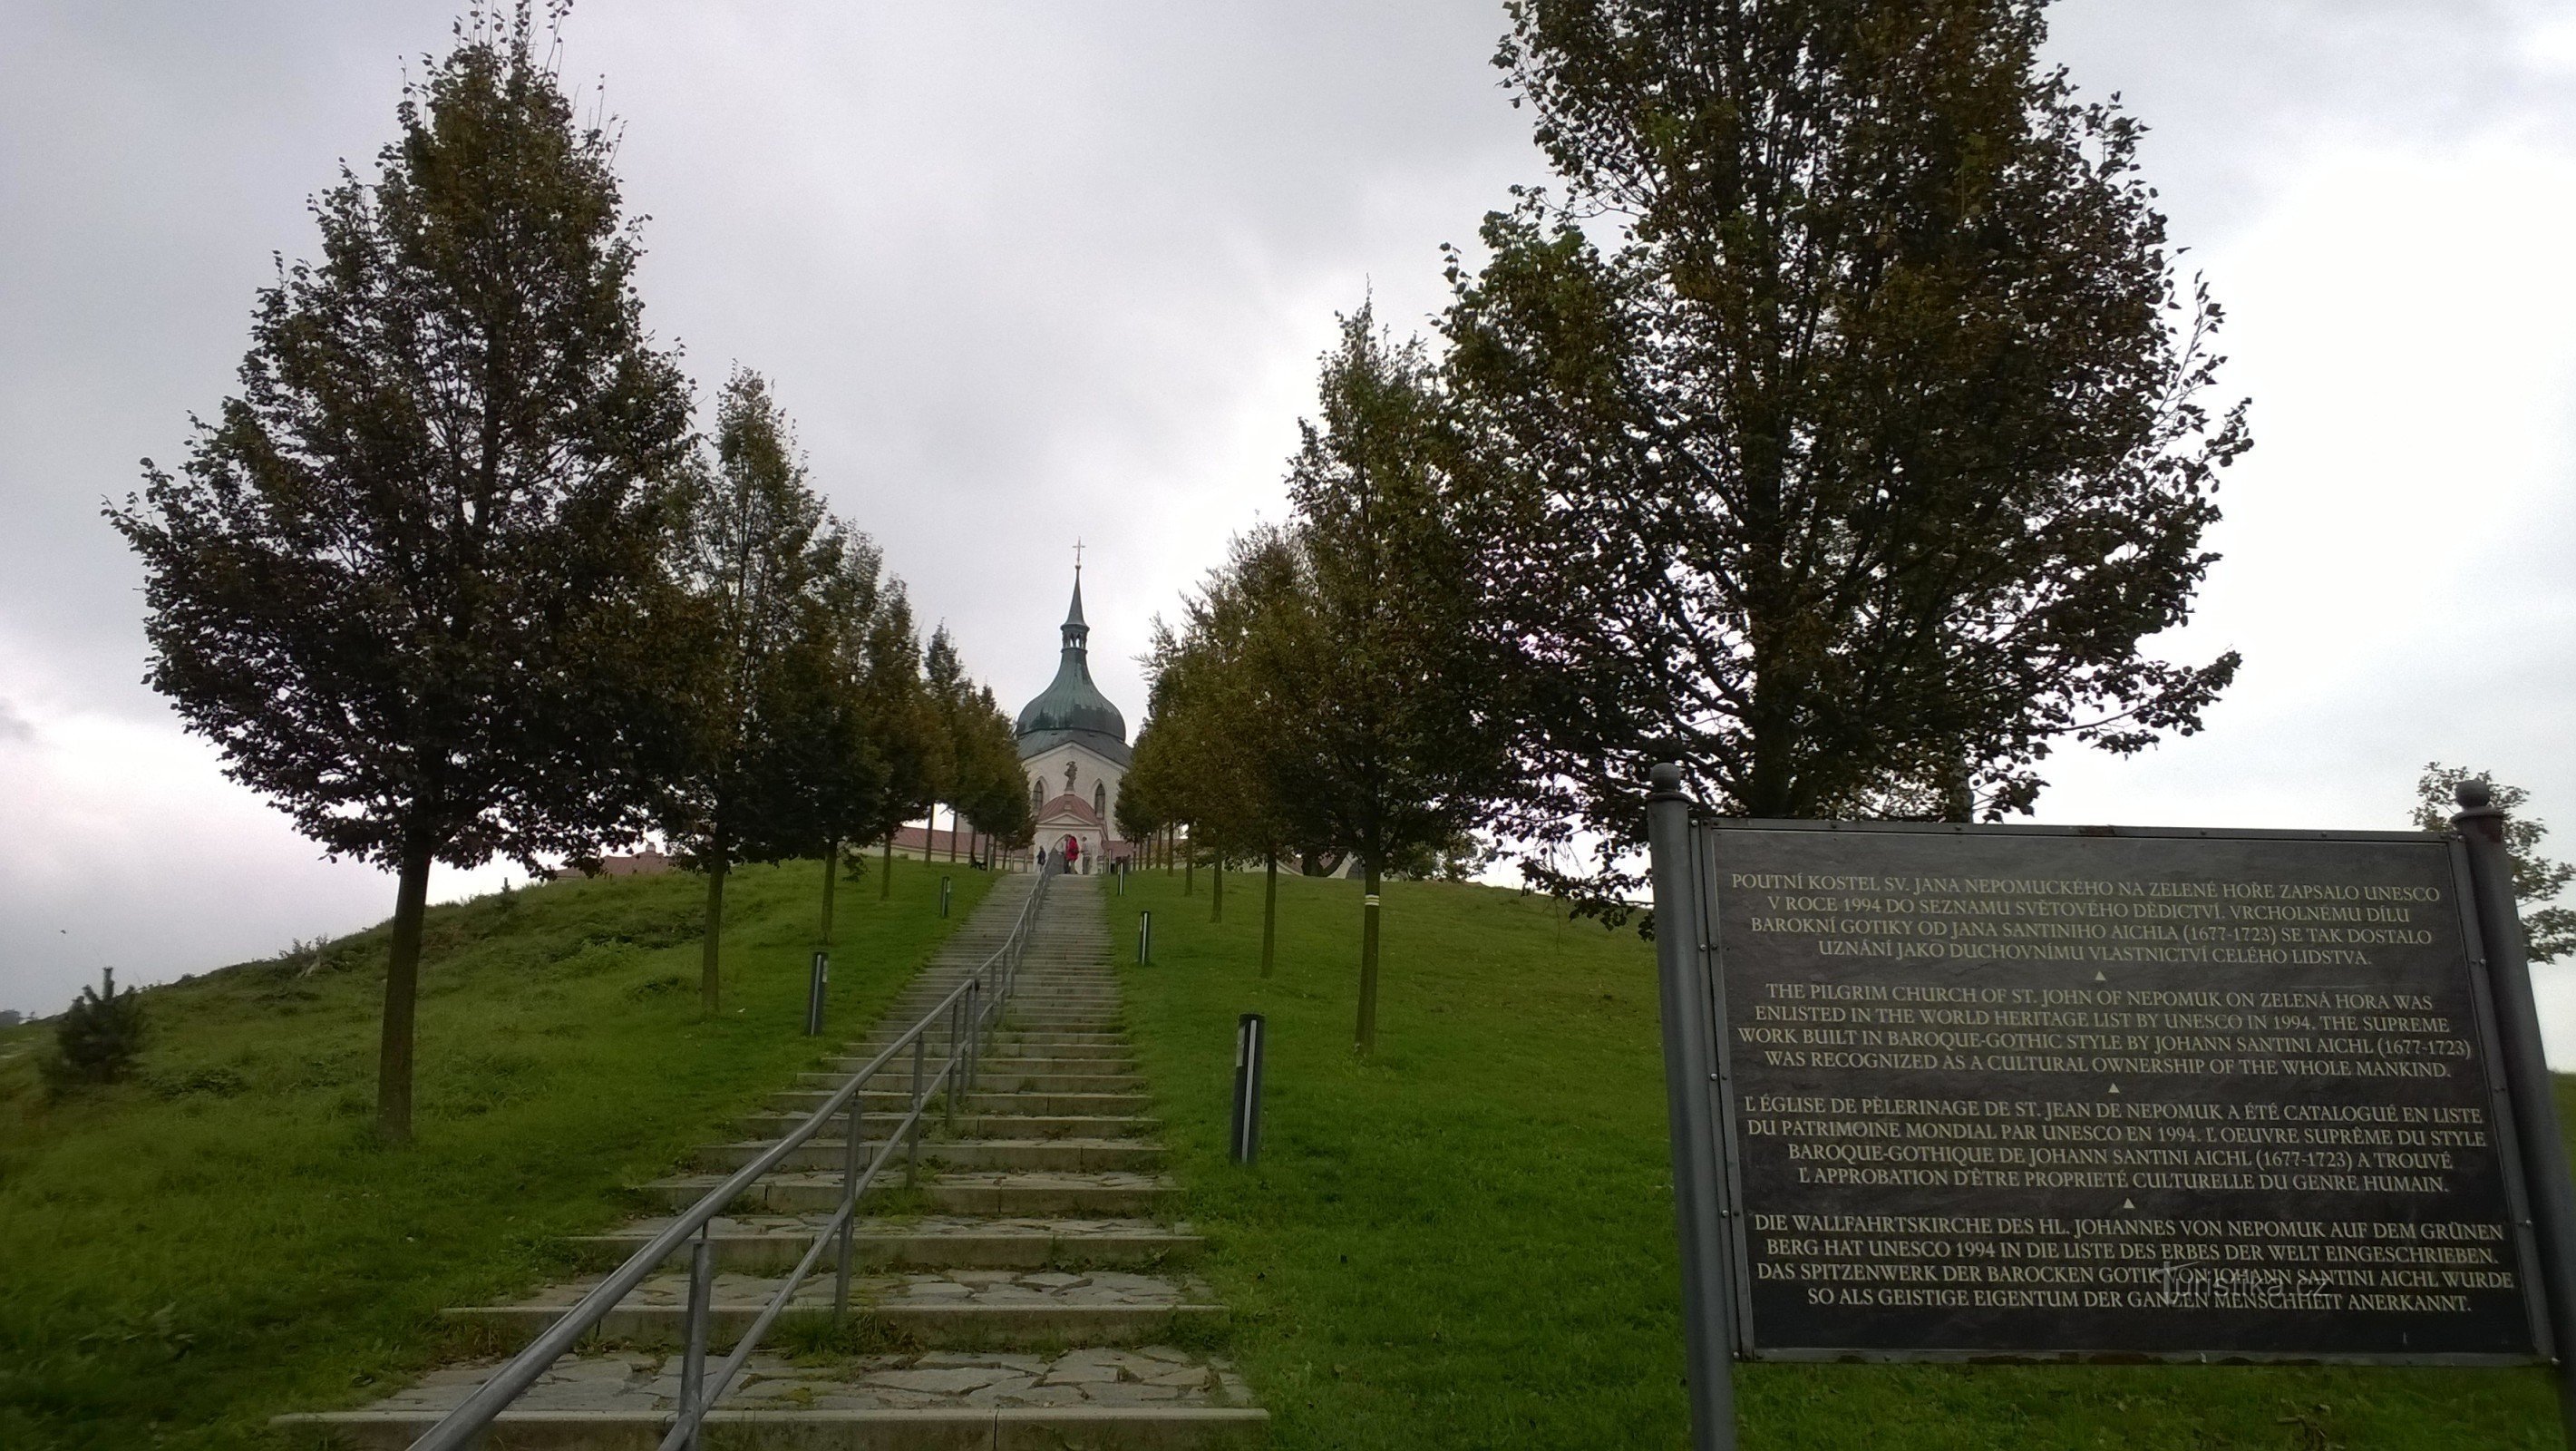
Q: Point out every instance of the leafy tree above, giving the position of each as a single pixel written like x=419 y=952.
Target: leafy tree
x=97 y=1038
x=1838 y=431
x=854 y=775
x=410 y=581
x=764 y=567
x=950 y=698
x=2548 y=932
x=990 y=791
x=897 y=708
x=1390 y=723
x=1220 y=690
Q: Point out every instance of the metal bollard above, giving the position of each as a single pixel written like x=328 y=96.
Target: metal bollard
x=693 y=1359
x=1250 y=1032
x=816 y=981
x=1144 y=937
x=944 y=885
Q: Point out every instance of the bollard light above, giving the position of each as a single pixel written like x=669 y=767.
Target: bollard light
x=1249 y=1034
x=818 y=979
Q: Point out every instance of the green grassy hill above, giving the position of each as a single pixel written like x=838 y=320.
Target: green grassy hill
x=185 y=1255
x=1468 y=1242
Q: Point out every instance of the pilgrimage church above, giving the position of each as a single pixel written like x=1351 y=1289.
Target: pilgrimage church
x=1073 y=747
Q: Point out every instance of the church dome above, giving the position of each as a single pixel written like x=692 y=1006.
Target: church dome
x=1071 y=708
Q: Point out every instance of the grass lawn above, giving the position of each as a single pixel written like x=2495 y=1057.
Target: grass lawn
x=183 y=1256
x=1469 y=1241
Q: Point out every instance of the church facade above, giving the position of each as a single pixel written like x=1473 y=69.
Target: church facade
x=1073 y=749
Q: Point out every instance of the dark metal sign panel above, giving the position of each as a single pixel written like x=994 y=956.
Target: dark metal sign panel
x=2032 y=1093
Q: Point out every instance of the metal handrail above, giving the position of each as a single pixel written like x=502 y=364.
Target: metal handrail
x=970 y=1011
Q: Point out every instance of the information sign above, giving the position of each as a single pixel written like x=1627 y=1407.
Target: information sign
x=2036 y=1094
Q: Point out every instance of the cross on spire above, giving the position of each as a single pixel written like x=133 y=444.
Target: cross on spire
x=1077 y=555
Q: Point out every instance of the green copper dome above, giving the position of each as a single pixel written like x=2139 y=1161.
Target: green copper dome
x=1071 y=708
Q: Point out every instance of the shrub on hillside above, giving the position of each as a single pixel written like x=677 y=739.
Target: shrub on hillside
x=97 y=1037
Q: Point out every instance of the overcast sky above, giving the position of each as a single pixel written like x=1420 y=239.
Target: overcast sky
x=1032 y=272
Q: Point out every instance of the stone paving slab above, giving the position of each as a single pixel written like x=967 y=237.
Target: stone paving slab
x=648 y=1381
x=997 y=1287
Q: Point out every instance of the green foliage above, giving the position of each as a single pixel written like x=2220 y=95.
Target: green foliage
x=403 y=578
x=1467 y=1240
x=224 y=1238
x=1391 y=727
x=2548 y=932
x=413 y=581
x=97 y=1038
x=763 y=563
x=1838 y=431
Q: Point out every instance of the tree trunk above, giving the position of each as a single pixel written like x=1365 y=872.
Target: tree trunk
x=952 y=836
x=1368 y=963
x=1190 y=871
x=885 y=873
x=708 y=982
x=1269 y=910
x=1216 y=893
x=402 y=996
x=831 y=871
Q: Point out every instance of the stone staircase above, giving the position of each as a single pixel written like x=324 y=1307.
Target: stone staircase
x=1027 y=1289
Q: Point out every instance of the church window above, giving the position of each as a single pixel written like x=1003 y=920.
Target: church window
x=1100 y=799
x=1037 y=794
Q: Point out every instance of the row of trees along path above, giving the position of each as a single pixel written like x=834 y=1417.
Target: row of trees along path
x=1836 y=425
x=1030 y=1290
x=455 y=576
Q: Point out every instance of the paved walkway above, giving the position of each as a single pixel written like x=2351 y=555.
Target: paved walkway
x=1028 y=1291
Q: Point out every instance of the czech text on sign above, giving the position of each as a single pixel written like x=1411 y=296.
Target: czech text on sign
x=2032 y=1093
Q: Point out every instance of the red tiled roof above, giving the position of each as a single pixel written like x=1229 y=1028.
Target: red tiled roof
x=1070 y=806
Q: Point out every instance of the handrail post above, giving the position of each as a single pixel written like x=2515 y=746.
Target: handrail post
x=974 y=1033
x=912 y=1165
x=693 y=1359
x=948 y=1096
x=851 y=1137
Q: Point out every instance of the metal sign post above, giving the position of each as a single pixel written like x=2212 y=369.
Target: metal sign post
x=1244 y=1144
x=817 y=979
x=2535 y=1110
x=1144 y=938
x=1691 y=1091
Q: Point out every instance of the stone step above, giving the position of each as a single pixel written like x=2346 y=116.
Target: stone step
x=773 y=1242
x=956 y=1191
x=806 y=1101
x=970 y=1309
x=822 y=1154
x=773 y=1126
x=988 y=1080
x=1075 y=1400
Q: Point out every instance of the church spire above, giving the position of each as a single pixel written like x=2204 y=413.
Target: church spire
x=1076 y=633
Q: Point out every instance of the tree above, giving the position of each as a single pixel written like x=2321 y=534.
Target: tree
x=950 y=699
x=2548 y=932
x=990 y=790
x=855 y=776
x=765 y=571
x=1390 y=722
x=97 y=1038
x=1219 y=697
x=410 y=581
x=1855 y=463
x=897 y=708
